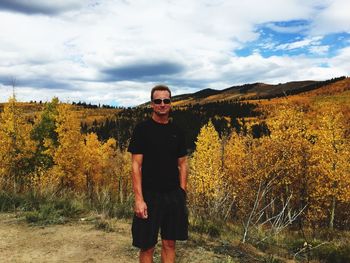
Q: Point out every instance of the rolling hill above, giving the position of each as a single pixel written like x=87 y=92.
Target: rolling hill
x=254 y=91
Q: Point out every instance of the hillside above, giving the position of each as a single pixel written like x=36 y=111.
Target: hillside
x=88 y=116
x=207 y=100
x=338 y=92
x=255 y=91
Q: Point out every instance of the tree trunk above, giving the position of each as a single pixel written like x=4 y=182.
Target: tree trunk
x=331 y=219
x=121 y=199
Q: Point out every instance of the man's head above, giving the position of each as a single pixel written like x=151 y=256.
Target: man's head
x=160 y=87
x=161 y=100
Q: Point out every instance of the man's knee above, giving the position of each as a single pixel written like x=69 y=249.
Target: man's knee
x=147 y=250
x=168 y=244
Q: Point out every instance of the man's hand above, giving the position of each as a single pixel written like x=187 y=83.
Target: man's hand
x=141 y=209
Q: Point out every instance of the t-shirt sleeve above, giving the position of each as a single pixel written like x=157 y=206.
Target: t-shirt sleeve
x=136 y=145
x=182 y=149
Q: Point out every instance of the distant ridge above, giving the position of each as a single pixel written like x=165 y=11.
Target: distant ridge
x=253 y=91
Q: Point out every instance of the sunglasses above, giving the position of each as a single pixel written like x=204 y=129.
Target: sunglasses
x=159 y=101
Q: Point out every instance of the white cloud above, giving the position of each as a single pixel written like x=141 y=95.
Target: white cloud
x=295 y=45
x=319 y=50
x=299 y=44
x=332 y=19
x=341 y=61
x=65 y=51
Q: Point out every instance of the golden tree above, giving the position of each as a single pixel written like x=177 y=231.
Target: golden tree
x=68 y=155
x=92 y=163
x=16 y=147
x=331 y=154
x=291 y=139
x=206 y=173
x=237 y=152
x=121 y=169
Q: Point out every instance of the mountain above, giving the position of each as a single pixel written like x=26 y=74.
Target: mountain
x=254 y=91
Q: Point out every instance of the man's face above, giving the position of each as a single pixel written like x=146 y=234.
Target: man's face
x=162 y=108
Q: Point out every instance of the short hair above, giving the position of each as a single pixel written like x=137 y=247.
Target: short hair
x=160 y=87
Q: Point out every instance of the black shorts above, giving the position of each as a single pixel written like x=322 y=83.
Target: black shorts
x=167 y=212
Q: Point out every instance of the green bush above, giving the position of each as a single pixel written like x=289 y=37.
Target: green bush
x=54 y=211
x=294 y=244
x=56 y=208
x=206 y=227
x=46 y=208
x=106 y=202
x=124 y=210
x=332 y=253
x=32 y=217
x=10 y=202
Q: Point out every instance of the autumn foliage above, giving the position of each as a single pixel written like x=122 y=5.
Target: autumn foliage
x=300 y=164
x=303 y=165
x=52 y=154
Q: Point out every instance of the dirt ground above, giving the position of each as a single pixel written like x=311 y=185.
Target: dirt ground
x=80 y=241
x=72 y=242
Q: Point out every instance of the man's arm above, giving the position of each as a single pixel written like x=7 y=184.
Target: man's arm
x=182 y=164
x=140 y=205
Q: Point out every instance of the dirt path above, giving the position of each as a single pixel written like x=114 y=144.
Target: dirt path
x=73 y=242
x=81 y=242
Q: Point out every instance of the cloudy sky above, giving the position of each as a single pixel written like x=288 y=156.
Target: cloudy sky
x=114 y=51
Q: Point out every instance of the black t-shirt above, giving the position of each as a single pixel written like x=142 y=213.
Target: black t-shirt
x=161 y=146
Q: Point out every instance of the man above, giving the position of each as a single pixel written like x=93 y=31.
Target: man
x=159 y=174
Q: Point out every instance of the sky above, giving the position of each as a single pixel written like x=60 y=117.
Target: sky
x=114 y=51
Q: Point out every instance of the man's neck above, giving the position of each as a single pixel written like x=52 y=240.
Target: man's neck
x=164 y=119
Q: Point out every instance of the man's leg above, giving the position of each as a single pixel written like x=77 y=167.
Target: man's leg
x=168 y=251
x=146 y=255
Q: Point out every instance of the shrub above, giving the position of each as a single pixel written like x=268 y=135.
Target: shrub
x=332 y=253
x=206 y=227
x=9 y=202
x=106 y=203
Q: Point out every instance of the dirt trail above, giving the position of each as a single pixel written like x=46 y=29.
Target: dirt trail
x=73 y=242
x=80 y=241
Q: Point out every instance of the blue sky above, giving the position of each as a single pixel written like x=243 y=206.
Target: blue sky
x=114 y=52
x=291 y=38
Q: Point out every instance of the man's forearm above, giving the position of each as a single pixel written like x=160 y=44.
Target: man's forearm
x=183 y=173
x=183 y=180
x=137 y=184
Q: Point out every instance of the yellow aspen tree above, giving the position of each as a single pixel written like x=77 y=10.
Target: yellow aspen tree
x=250 y=164
x=116 y=170
x=109 y=154
x=292 y=139
x=206 y=173
x=122 y=173
x=68 y=155
x=237 y=171
x=92 y=163
x=331 y=152
x=16 y=147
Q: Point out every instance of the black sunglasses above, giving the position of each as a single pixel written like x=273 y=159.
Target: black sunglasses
x=159 y=101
